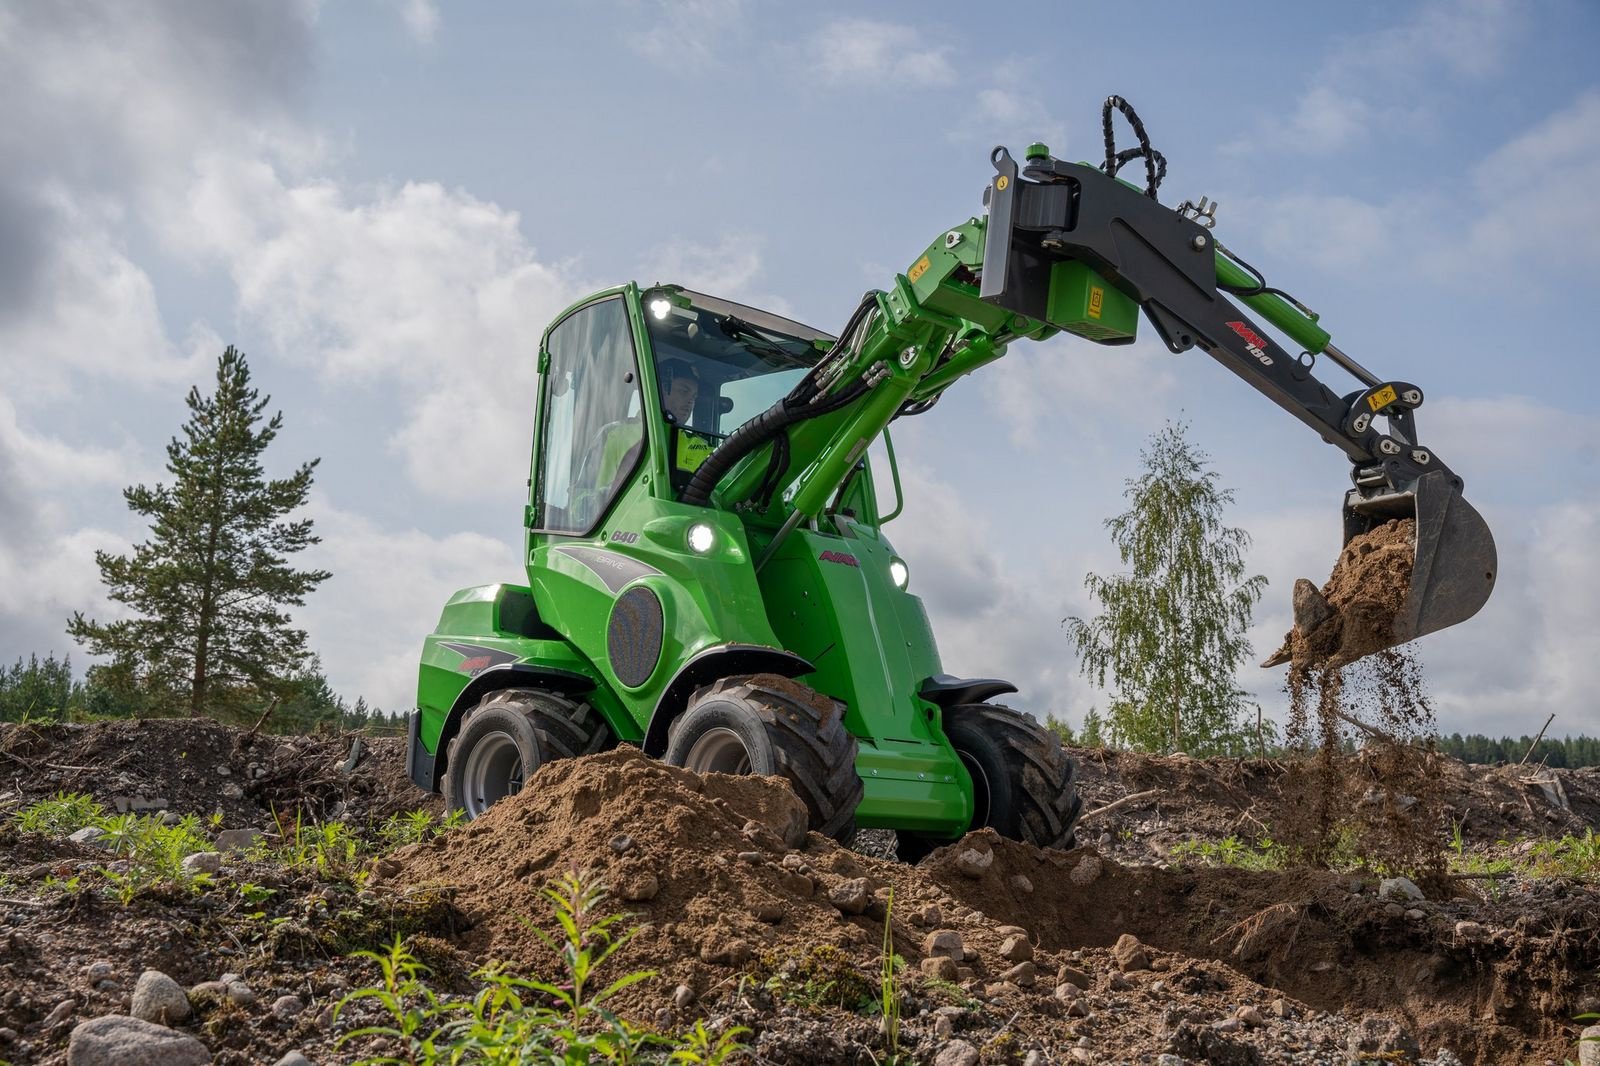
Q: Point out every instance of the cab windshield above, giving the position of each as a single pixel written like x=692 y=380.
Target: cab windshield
x=718 y=363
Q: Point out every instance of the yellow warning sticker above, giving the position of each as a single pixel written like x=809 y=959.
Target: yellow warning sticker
x=1001 y=182
x=1097 y=300
x=1382 y=398
x=919 y=269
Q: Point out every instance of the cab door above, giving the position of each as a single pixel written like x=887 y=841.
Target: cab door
x=592 y=447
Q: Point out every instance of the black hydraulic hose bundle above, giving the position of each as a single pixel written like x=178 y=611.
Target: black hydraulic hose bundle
x=798 y=406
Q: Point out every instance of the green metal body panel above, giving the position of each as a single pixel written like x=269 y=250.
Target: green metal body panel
x=830 y=598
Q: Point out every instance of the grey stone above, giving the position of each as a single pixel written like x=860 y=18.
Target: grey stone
x=941 y=967
x=287 y=1006
x=231 y=791
x=1016 y=949
x=1129 y=954
x=974 y=862
x=202 y=862
x=1250 y=1016
x=1169 y=1059
x=929 y=915
x=89 y=834
x=99 y=971
x=294 y=1058
x=124 y=804
x=956 y=1053
x=237 y=839
x=59 y=1014
x=1471 y=932
x=852 y=896
x=1034 y=1058
x=117 y=1040
x=1021 y=885
x=1399 y=888
x=158 y=998
x=622 y=843
x=240 y=993
x=1589 y=1046
x=1023 y=974
x=944 y=942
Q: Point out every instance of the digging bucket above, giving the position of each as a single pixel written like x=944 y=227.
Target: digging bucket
x=1455 y=560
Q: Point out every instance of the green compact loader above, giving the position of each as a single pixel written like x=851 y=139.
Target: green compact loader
x=708 y=575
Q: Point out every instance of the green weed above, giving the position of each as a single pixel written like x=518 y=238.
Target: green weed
x=513 y=1019
x=1264 y=854
x=66 y=812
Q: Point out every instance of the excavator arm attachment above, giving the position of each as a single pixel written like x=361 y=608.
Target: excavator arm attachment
x=1056 y=229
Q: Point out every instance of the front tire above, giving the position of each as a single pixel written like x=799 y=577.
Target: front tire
x=1024 y=783
x=767 y=724
x=509 y=735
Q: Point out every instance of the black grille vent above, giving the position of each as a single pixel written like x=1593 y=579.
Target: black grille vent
x=633 y=639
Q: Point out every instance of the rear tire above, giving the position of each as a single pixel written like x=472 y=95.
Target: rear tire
x=509 y=735
x=766 y=724
x=1024 y=783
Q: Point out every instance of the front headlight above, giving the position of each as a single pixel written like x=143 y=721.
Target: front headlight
x=899 y=573
x=701 y=538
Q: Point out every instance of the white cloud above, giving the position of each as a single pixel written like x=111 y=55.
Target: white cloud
x=683 y=35
x=1388 y=79
x=421 y=285
x=727 y=268
x=860 y=51
x=421 y=19
x=1551 y=220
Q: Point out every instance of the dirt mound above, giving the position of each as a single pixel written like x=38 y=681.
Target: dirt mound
x=197 y=766
x=1494 y=983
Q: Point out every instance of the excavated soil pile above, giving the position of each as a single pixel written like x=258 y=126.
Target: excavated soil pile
x=1353 y=614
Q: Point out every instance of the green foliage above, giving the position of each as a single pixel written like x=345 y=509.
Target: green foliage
x=64 y=813
x=889 y=996
x=40 y=691
x=1171 y=632
x=1265 y=854
x=513 y=1020
x=825 y=976
x=154 y=851
x=1091 y=736
x=413 y=827
x=1559 y=752
x=210 y=586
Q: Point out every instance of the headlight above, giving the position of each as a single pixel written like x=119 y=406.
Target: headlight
x=660 y=308
x=701 y=538
x=899 y=573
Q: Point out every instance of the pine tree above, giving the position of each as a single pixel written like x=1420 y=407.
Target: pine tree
x=1171 y=633
x=211 y=584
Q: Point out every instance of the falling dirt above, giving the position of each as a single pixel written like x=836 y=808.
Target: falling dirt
x=1345 y=679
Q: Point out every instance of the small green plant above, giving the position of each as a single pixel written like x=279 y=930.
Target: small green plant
x=889 y=984
x=513 y=1019
x=1265 y=854
x=413 y=827
x=66 y=812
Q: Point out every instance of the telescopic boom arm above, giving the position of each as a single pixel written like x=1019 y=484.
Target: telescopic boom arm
x=1071 y=247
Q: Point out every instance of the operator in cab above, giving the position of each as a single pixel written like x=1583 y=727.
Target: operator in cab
x=680 y=391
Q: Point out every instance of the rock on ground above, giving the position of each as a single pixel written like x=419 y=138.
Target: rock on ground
x=158 y=998
x=118 y=1040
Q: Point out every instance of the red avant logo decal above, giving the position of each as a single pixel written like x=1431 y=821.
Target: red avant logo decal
x=839 y=557
x=1253 y=342
x=470 y=666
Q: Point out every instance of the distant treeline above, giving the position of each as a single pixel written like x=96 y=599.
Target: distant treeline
x=44 y=690
x=1570 y=752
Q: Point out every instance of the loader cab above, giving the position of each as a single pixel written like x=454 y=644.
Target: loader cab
x=639 y=386
x=717 y=365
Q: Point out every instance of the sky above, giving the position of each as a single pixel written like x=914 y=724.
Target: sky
x=383 y=203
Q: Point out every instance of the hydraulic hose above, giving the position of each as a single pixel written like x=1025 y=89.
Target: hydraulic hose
x=756 y=432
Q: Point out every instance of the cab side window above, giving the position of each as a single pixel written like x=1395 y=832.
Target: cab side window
x=594 y=435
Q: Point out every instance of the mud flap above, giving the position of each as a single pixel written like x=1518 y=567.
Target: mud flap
x=1455 y=563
